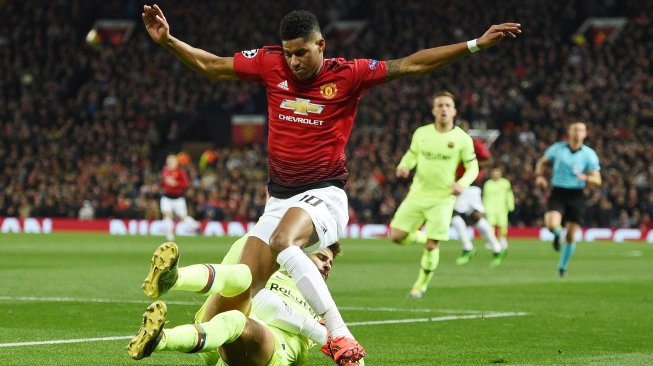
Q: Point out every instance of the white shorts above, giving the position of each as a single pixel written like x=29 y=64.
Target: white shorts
x=327 y=208
x=175 y=205
x=469 y=200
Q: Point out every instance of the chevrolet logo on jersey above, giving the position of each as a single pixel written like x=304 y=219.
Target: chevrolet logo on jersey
x=302 y=106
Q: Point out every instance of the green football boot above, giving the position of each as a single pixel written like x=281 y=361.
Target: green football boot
x=498 y=258
x=465 y=257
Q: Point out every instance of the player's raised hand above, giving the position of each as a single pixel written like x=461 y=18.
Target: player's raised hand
x=402 y=172
x=496 y=34
x=155 y=23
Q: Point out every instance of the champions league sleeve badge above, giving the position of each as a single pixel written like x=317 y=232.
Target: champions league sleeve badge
x=250 y=53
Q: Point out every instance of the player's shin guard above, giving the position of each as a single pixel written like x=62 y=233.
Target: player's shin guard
x=429 y=263
x=461 y=228
x=311 y=284
x=271 y=310
x=208 y=336
x=567 y=252
x=487 y=232
x=226 y=279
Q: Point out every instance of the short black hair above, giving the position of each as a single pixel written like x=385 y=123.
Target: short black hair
x=299 y=24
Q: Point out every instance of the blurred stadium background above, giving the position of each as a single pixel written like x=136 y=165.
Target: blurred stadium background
x=90 y=106
x=93 y=121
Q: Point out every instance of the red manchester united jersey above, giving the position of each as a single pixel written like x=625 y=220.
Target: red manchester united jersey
x=309 y=120
x=179 y=176
x=482 y=154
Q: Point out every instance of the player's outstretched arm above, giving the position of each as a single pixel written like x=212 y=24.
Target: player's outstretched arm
x=204 y=63
x=428 y=60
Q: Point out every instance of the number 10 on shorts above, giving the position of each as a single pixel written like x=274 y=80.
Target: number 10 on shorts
x=311 y=200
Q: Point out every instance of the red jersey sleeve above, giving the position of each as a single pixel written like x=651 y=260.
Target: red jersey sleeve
x=369 y=73
x=247 y=64
x=482 y=154
x=481 y=150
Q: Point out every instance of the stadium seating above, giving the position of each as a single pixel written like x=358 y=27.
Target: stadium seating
x=82 y=123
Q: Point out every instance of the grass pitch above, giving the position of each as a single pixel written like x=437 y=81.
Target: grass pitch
x=84 y=289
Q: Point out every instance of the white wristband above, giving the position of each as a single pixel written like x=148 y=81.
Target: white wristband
x=472 y=47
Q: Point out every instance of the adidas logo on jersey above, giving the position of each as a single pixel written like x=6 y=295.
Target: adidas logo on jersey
x=283 y=85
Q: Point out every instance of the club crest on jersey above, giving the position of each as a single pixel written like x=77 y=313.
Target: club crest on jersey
x=250 y=53
x=450 y=145
x=328 y=91
x=373 y=64
x=302 y=106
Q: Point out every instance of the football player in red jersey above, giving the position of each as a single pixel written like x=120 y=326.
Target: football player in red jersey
x=312 y=102
x=174 y=183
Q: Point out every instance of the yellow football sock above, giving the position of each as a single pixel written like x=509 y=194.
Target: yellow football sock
x=429 y=263
x=226 y=279
x=223 y=328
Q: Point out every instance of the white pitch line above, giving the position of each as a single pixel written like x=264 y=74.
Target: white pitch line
x=352 y=324
x=409 y=310
x=63 y=341
x=191 y=303
x=437 y=319
x=90 y=300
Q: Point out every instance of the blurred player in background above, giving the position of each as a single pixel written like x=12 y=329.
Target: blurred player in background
x=174 y=183
x=575 y=166
x=499 y=201
x=435 y=151
x=315 y=98
x=470 y=204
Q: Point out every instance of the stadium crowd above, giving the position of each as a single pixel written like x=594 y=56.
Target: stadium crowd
x=81 y=123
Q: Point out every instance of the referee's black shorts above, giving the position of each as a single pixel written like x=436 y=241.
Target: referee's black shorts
x=569 y=202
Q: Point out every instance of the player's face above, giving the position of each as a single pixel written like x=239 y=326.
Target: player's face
x=305 y=58
x=444 y=109
x=577 y=132
x=323 y=260
x=172 y=162
x=495 y=174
